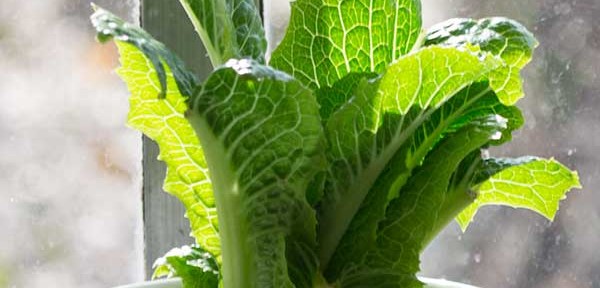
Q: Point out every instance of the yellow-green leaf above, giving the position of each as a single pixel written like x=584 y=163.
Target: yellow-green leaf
x=537 y=185
x=163 y=120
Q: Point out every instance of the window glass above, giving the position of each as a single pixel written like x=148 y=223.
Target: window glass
x=515 y=248
x=70 y=208
x=70 y=174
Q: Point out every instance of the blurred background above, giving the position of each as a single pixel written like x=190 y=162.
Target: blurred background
x=70 y=172
x=516 y=248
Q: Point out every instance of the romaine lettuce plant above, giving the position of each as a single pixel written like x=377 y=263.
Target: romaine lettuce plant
x=335 y=163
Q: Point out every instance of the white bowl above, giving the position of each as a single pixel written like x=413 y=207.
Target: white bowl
x=442 y=283
x=164 y=283
x=176 y=283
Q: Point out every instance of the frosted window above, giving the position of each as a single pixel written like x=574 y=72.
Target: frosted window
x=70 y=175
x=70 y=172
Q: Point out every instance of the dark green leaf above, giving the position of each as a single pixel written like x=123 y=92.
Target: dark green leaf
x=381 y=116
x=262 y=135
x=333 y=98
x=472 y=103
x=109 y=26
x=228 y=28
x=503 y=37
x=424 y=205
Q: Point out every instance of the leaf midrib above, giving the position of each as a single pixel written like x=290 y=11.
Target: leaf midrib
x=237 y=257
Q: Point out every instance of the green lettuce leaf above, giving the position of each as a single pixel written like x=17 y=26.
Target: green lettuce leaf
x=110 y=26
x=262 y=135
x=488 y=104
x=379 y=119
x=228 y=28
x=333 y=98
x=424 y=206
x=326 y=40
x=503 y=37
x=535 y=184
x=377 y=140
x=474 y=102
x=163 y=120
x=196 y=267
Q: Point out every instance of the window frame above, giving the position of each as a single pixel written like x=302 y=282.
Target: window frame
x=164 y=226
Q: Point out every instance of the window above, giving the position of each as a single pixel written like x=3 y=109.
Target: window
x=70 y=171
x=515 y=248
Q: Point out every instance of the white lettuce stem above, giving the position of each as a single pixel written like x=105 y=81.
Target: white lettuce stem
x=214 y=55
x=236 y=265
